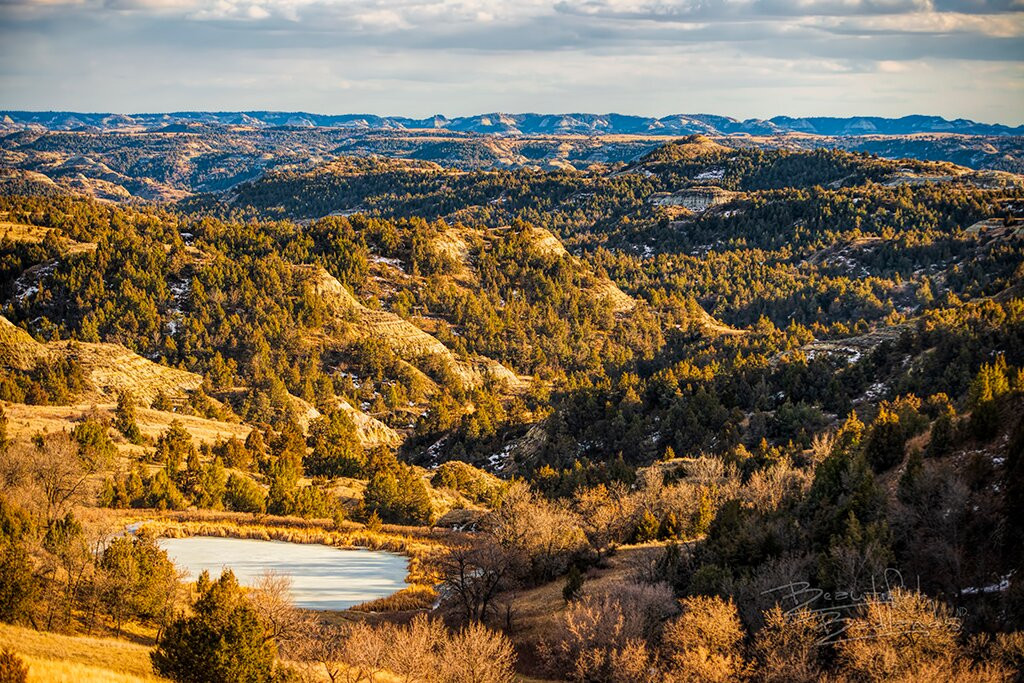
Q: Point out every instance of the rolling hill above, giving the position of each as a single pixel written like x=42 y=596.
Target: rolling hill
x=172 y=156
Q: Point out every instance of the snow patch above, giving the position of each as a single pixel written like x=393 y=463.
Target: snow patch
x=393 y=262
x=711 y=174
x=1002 y=586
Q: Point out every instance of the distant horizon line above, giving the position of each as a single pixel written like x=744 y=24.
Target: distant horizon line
x=507 y=113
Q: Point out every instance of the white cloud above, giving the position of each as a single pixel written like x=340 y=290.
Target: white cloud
x=746 y=57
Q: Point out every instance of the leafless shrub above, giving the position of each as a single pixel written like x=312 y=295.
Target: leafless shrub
x=601 y=632
x=650 y=604
x=769 y=487
x=649 y=485
x=424 y=650
x=592 y=629
x=706 y=471
x=539 y=536
x=821 y=445
x=414 y=651
x=704 y=643
x=787 y=649
x=606 y=515
x=473 y=577
x=324 y=645
x=633 y=663
x=58 y=469
x=902 y=636
x=1008 y=649
x=477 y=655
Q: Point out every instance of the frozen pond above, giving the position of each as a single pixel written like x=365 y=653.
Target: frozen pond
x=323 y=577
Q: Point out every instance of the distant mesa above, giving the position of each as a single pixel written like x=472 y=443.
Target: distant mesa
x=688 y=148
x=497 y=123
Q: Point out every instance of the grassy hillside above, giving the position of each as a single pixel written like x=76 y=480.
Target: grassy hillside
x=52 y=657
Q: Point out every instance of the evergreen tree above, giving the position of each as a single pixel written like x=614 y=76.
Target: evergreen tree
x=18 y=582
x=93 y=441
x=705 y=513
x=242 y=494
x=669 y=527
x=162 y=402
x=337 y=451
x=174 y=449
x=284 y=484
x=222 y=641
x=943 y=433
x=886 y=441
x=646 y=528
x=573 y=584
x=125 y=420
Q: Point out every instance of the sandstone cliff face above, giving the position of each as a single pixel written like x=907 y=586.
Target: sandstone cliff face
x=545 y=243
x=408 y=342
x=111 y=369
x=695 y=199
x=371 y=431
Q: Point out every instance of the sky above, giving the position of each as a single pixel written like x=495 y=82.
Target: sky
x=740 y=58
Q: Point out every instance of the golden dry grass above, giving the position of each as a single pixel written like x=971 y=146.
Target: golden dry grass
x=24 y=421
x=42 y=670
x=371 y=431
x=315 y=672
x=348 y=489
x=33 y=234
x=110 y=368
x=538 y=611
x=19 y=232
x=78 y=659
x=17 y=347
x=415 y=597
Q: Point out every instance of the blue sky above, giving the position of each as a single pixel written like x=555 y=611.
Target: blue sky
x=743 y=58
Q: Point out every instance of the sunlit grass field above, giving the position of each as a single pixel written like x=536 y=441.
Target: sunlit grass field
x=78 y=659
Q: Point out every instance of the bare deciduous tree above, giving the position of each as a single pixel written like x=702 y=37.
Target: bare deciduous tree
x=899 y=637
x=366 y=651
x=606 y=515
x=422 y=651
x=61 y=470
x=787 y=648
x=601 y=631
x=282 y=621
x=473 y=576
x=539 y=536
x=324 y=644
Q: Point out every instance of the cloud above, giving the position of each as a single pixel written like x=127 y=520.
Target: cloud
x=452 y=56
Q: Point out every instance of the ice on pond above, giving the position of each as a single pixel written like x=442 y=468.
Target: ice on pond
x=323 y=578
